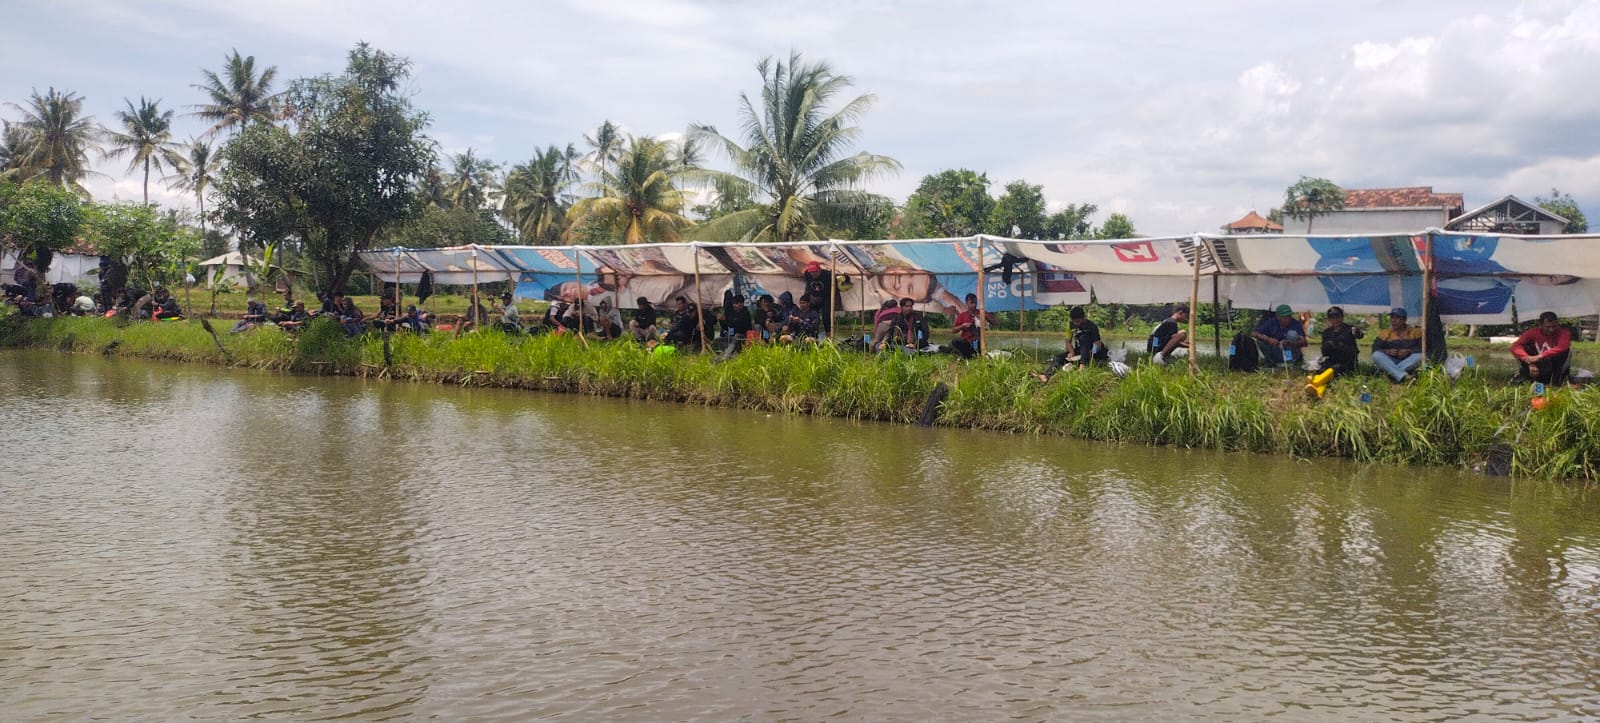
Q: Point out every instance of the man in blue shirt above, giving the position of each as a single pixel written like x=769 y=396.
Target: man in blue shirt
x=1280 y=337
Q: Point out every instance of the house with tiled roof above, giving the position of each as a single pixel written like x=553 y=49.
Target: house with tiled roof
x=1383 y=210
x=1252 y=223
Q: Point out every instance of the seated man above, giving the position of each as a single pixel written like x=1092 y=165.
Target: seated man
x=643 y=324
x=684 y=329
x=83 y=305
x=1543 y=351
x=350 y=317
x=803 y=322
x=296 y=318
x=914 y=323
x=1170 y=335
x=166 y=307
x=1339 y=348
x=1083 y=345
x=886 y=327
x=966 y=326
x=607 y=323
x=510 y=318
x=1397 y=350
x=766 y=318
x=736 y=319
x=413 y=319
x=255 y=313
x=1280 y=337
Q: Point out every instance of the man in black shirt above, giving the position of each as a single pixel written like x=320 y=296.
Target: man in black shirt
x=1170 y=335
x=643 y=323
x=1083 y=345
x=1339 y=349
x=736 y=320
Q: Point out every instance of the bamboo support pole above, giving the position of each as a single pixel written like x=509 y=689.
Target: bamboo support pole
x=983 y=329
x=580 y=295
x=699 y=313
x=1427 y=289
x=1194 y=302
x=833 y=284
x=472 y=309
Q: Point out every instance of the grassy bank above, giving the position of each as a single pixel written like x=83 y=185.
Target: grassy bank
x=1430 y=421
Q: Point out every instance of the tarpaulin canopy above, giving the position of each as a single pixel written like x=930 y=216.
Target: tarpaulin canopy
x=1476 y=277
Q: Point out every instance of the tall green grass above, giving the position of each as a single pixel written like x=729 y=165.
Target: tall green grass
x=1430 y=421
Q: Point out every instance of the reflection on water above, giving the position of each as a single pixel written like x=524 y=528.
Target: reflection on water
x=183 y=542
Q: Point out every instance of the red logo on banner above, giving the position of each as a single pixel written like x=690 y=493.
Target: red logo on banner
x=1135 y=253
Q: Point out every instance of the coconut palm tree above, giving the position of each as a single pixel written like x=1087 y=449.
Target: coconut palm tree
x=471 y=181
x=147 y=136
x=239 y=96
x=794 y=156
x=194 y=173
x=11 y=140
x=1309 y=198
x=53 y=139
x=636 y=201
x=536 y=194
x=606 y=143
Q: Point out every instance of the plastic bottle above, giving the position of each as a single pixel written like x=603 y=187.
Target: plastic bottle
x=1366 y=396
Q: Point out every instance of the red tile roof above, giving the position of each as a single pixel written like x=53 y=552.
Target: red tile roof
x=1410 y=197
x=1253 y=222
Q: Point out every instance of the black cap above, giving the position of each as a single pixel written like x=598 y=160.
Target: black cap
x=1181 y=309
x=1076 y=313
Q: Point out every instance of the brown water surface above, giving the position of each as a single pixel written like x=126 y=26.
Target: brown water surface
x=182 y=541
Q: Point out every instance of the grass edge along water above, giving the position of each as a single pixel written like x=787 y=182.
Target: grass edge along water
x=1432 y=420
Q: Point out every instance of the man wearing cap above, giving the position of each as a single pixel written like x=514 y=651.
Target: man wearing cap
x=510 y=318
x=1397 y=350
x=1542 y=351
x=1170 y=335
x=1083 y=345
x=1339 y=348
x=1280 y=337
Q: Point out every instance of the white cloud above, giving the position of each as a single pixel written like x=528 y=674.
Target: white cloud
x=1181 y=120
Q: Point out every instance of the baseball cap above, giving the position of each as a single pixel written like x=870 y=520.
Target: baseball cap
x=1399 y=311
x=1284 y=310
x=1076 y=313
x=1335 y=311
x=813 y=266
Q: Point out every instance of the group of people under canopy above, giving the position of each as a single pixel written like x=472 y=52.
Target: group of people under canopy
x=1280 y=339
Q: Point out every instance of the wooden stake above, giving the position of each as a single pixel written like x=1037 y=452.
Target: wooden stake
x=1194 y=301
x=699 y=313
x=983 y=329
x=1427 y=284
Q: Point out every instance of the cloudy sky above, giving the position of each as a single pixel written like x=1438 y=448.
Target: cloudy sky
x=1181 y=115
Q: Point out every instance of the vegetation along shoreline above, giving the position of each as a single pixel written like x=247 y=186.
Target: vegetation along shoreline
x=1472 y=423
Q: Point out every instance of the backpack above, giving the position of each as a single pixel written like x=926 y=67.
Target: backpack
x=1242 y=353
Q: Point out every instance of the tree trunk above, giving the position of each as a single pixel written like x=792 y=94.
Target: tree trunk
x=146 y=181
x=340 y=272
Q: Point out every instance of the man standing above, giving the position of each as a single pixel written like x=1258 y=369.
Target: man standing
x=1170 y=335
x=819 y=289
x=1542 y=351
x=1083 y=345
x=1397 y=350
x=1339 y=348
x=1280 y=337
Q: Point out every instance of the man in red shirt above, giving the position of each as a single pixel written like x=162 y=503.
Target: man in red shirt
x=1543 y=350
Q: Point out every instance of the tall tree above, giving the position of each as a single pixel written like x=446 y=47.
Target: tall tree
x=793 y=156
x=1309 y=198
x=11 y=151
x=637 y=201
x=1116 y=226
x=55 y=140
x=949 y=204
x=537 y=195
x=40 y=219
x=195 y=174
x=1563 y=205
x=146 y=135
x=1020 y=212
x=1072 y=222
x=471 y=181
x=352 y=167
x=605 y=145
x=239 y=96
